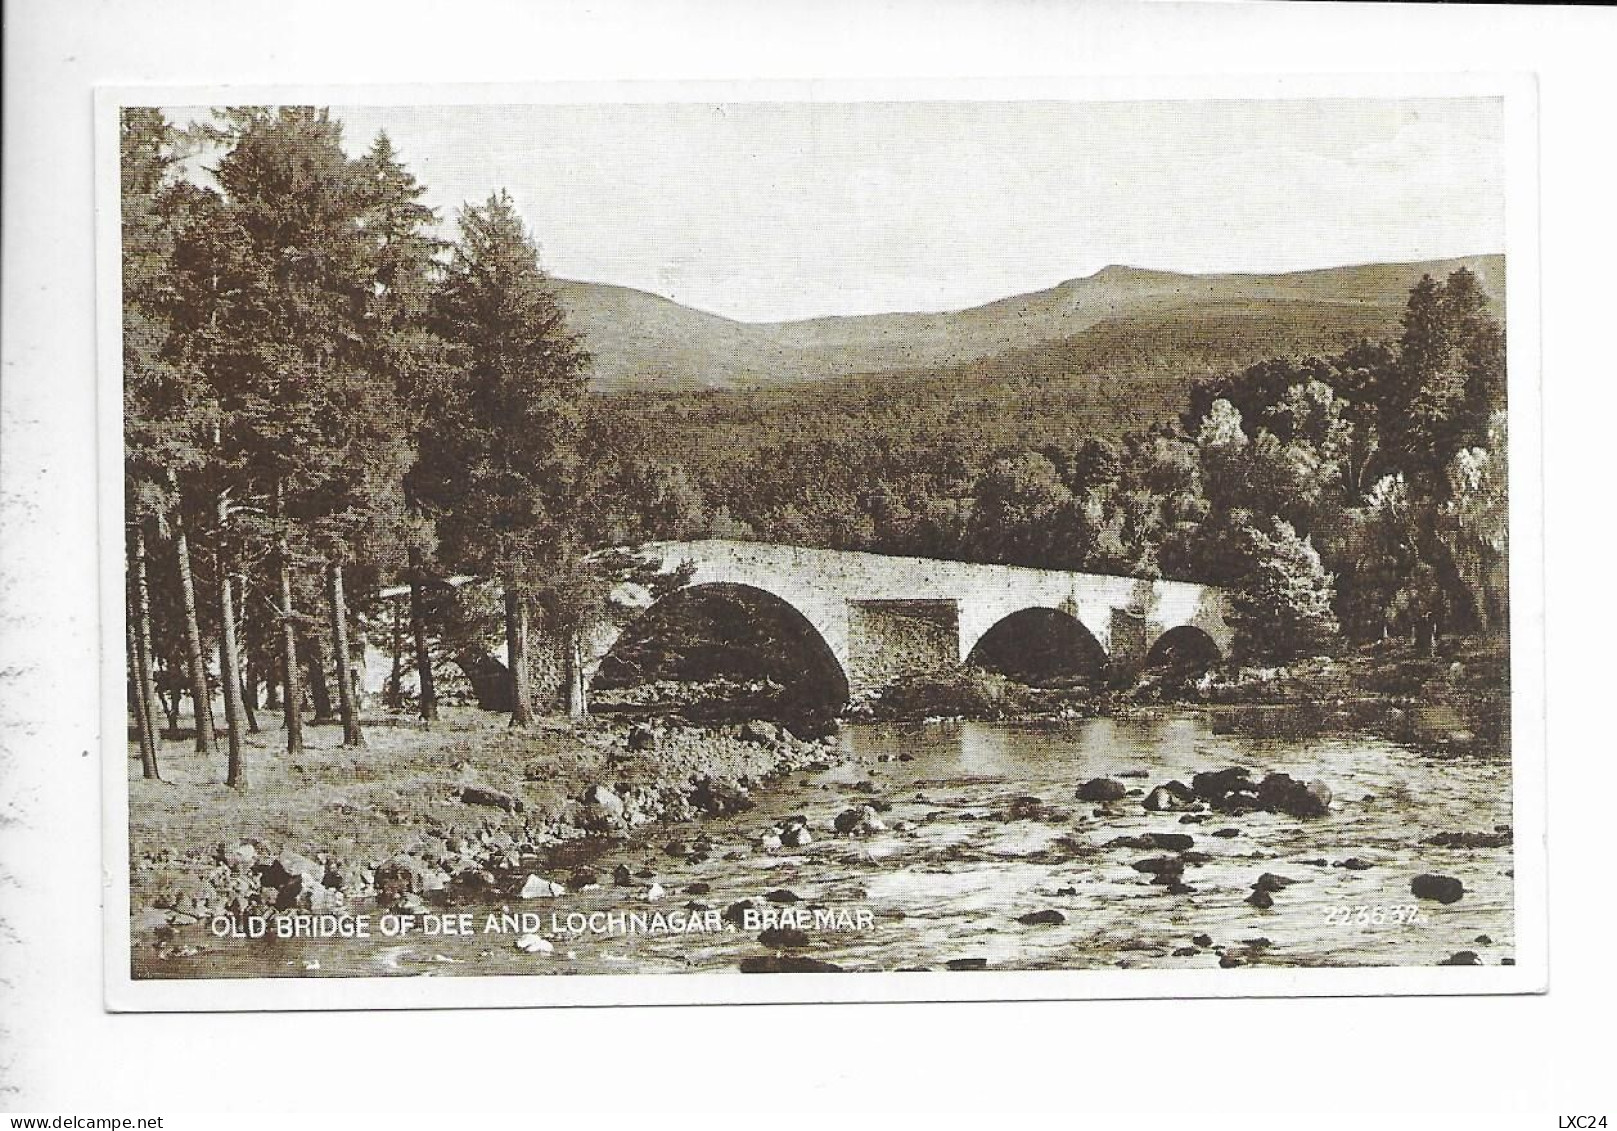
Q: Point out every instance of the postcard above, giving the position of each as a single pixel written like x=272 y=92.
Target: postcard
x=694 y=543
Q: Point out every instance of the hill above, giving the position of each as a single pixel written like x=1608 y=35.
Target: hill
x=648 y=344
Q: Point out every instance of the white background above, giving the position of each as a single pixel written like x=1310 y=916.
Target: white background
x=60 y=1052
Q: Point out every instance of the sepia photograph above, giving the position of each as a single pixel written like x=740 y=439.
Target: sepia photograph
x=733 y=562
x=761 y=536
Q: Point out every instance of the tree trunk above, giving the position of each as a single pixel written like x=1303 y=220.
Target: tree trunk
x=352 y=735
x=395 y=675
x=249 y=696
x=171 y=707
x=147 y=689
x=230 y=678
x=140 y=707
x=319 y=689
x=417 y=626
x=247 y=627
x=578 y=703
x=193 y=644
x=291 y=693
x=516 y=656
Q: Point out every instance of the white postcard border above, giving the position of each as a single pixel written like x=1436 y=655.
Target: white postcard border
x=123 y=993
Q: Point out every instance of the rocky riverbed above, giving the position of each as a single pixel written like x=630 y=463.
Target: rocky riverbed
x=1149 y=841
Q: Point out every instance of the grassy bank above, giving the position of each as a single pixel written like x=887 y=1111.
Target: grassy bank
x=469 y=803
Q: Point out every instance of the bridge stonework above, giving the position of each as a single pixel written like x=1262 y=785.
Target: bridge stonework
x=885 y=617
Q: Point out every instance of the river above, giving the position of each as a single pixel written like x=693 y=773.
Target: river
x=960 y=861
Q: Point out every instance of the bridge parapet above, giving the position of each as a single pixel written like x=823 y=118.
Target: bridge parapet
x=883 y=616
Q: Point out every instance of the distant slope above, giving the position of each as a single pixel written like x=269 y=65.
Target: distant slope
x=645 y=343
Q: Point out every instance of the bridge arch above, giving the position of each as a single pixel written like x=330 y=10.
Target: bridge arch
x=717 y=627
x=1184 y=648
x=1040 y=645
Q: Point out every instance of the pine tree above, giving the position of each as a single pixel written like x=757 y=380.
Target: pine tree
x=500 y=456
x=166 y=405
x=403 y=349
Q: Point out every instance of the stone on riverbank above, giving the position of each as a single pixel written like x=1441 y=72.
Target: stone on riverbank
x=1165 y=842
x=1444 y=889
x=602 y=805
x=1102 y=789
x=1282 y=793
x=858 y=822
x=1170 y=797
x=719 y=796
x=796 y=836
x=537 y=887
x=1049 y=917
x=535 y=944
x=494 y=798
x=402 y=875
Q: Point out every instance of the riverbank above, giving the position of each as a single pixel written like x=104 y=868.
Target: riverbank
x=1456 y=702
x=1117 y=843
x=468 y=807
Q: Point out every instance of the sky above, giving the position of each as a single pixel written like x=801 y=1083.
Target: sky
x=764 y=211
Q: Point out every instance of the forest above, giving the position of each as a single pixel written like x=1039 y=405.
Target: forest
x=324 y=398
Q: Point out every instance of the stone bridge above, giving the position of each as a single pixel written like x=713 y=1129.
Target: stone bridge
x=882 y=618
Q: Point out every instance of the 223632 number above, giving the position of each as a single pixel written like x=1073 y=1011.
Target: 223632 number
x=1367 y=916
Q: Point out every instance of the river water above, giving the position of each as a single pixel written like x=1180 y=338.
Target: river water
x=958 y=864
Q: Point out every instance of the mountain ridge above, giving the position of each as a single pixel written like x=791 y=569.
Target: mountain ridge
x=644 y=342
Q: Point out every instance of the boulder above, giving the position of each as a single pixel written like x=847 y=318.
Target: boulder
x=1271 y=882
x=1444 y=889
x=537 y=887
x=1462 y=958
x=1163 y=870
x=402 y=875
x=654 y=893
x=1226 y=833
x=237 y=856
x=1261 y=899
x=534 y=944
x=718 y=796
x=622 y=877
x=603 y=802
x=1102 y=789
x=1281 y=793
x=782 y=895
x=784 y=937
x=1169 y=797
x=759 y=733
x=494 y=798
x=1165 y=842
x=1025 y=808
x=291 y=868
x=858 y=822
x=1049 y=917
x=1215 y=786
x=797 y=836
x=642 y=737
